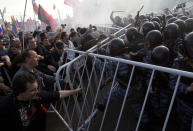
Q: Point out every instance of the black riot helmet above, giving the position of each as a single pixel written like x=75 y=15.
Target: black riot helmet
x=116 y=47
x=144 y=20
x=147 y=27
x=183 y=18
x=160 y=56
x=188 y=45
x=181 y=25
x=175 y=14
x=132 y=34
x=125 y=20
x=156 y=19
x=180 y=15
x=171 y=20
x=131 y=21
x=141 y=17
x=189 y=25
x=169 y=17
x=156 y=25
x=171 y=31
x=117 y=19
x=153 y=39
x=160 y=17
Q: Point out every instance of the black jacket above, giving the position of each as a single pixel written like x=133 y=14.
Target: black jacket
x=43 y=64
x=45 y=82
x=10 y=119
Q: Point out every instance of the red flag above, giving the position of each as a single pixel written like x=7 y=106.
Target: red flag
x=6 y=26
x=35 y=7
x=46 y=18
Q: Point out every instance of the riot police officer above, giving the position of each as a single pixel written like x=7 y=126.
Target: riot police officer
x=135 y=40
x=172 y=40
x=185 y=88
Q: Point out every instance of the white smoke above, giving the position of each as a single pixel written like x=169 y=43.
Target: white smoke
x=98 y=11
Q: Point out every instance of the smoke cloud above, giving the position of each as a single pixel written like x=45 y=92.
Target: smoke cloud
x=98 y=11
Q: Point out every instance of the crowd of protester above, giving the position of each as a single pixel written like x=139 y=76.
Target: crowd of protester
x=163 y=40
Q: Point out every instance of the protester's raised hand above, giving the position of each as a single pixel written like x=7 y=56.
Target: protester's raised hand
x=1 y=64
x=87 y=52
x=40 y=57
x=99 y=44
x=6 y=58
x=52 y=68
x=78 y=89
x=111 y=36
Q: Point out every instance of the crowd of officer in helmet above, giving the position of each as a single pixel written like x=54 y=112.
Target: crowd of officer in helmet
x=160 y=40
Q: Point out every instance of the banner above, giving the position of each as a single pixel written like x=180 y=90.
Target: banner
x=46 y=18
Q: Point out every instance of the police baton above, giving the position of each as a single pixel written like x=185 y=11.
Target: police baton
x=137 y=16
x=141 y=9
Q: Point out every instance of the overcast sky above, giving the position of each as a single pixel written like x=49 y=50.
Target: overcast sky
x=16 y=8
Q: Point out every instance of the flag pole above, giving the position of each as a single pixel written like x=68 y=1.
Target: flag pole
x=24 y=21
x=59 y=16
x=35 y=20
x=34 y=17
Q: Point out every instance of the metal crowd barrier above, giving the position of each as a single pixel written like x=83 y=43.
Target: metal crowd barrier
x=119 y=33
x=108 y=29
x=79 y=114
